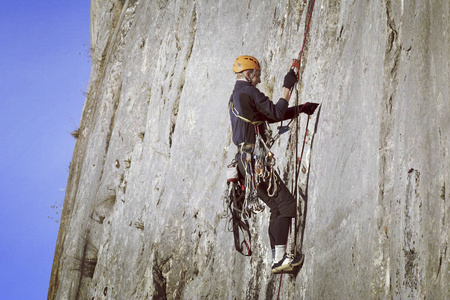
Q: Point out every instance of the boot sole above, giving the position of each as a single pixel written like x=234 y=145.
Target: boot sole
x=285 y=268
x=289 y=267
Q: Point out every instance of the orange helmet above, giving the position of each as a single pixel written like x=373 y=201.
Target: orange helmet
x=245 y=62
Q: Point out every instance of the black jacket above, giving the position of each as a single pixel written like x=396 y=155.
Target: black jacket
x=253 y=105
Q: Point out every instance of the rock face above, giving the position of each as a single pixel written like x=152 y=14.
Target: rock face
x=142 y=216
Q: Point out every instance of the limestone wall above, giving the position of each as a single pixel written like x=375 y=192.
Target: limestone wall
x=142 y=216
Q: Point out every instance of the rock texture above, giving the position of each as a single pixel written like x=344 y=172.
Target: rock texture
x=142 y=217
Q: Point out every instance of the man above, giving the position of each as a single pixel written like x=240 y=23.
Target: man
x=249 y=111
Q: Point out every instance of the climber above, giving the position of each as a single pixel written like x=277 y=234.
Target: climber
x=249 y=111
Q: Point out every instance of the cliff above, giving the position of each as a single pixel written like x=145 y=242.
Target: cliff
x=142 y=215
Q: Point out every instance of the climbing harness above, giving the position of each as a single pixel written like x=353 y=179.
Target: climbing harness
x=241 y=200
x=236 y=113
x=259 y=163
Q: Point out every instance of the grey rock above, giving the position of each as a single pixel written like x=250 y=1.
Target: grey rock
x=142 y=215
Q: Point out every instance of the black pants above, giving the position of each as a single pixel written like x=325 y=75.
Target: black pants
x=282 y=207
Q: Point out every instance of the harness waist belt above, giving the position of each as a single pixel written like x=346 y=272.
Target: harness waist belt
x=245 y=147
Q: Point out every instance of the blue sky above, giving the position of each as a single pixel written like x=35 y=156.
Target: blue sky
x=44 y=73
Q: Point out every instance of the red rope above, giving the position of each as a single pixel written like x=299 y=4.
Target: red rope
x=279 y=287
x=296 y=103
x=304 y=41
x=307 y=30
x=304 y=140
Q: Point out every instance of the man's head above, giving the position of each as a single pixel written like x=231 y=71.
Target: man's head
x=248 y=68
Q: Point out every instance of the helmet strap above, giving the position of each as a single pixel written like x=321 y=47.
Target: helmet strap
x=251 y=76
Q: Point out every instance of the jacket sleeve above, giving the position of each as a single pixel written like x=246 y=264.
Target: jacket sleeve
x=291 y=112
x=267 y=108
